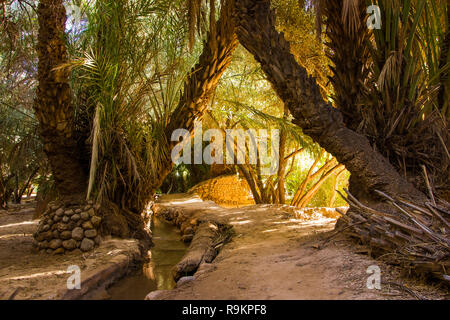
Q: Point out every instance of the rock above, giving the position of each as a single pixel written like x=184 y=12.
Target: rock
x=96 y=221
x=65 y=219
x=59 y=251
x=91 y=233
x=77 y=251
x=185 y=280
x=66 y=235
x=77 y=233
x=59 y=212
x=46 y=227
x=55 y=244
x=91 y=212
x=78 y=211
x=55 y=234
x=87 y=225
x=71 y=225
x=43 y=244
x=48 y=235
x=57 y=218
x=62 y=227
x=75 y=217
x=98 y=240
x=39 y=237
x=49 y=251
x=69 y=244
x=154 y=294
x=69 y=212
x=84 y=216
x=87 y=245
x=90 y=202
x=86 y=208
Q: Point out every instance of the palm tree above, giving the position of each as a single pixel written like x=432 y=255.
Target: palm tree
x=373 y=178
x=53 y=105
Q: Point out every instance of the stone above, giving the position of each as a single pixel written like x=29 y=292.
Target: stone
x=49 y=251
x=69 y=244
x=98 y=240
x=91 y=212
x=45 y=227
x=48 y=235
x=59 y=212
x=77 y=251
x=185 y=280
x=84 y=216
x=39 y=237
x=65 y=219
x=77 y=233
x=96 y=221
x=43 y=244
x=87 y=244
x=71 y=225
x=55 y=244
x=86 y=208
x=62 y=227
x=87 y=225
x=57 y=219
x=154 y=294
x=78 y=211
x=91 y=233
x=59 y=251
x=69 y=212
x=55 y=234
x=75 y=217
x=66 y=235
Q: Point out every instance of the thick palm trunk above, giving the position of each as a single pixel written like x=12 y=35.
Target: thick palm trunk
x=203 y=80
x=370 y=170
x=53 y=105
x=350 y=62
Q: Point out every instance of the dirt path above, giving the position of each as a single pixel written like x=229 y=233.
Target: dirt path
x=274 y=256
x=25 y=274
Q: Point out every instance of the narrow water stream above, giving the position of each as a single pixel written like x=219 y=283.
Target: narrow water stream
x=156 y=274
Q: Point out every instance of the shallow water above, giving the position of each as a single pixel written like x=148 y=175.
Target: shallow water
x=156 y=274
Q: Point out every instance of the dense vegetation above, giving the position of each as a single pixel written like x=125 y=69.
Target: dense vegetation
x=88 y=106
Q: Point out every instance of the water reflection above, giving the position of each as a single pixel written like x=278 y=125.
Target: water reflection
x=157 y=274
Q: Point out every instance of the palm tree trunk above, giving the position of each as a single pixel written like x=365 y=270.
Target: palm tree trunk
x=203 y=80
x=306 y=199
x=370 y=170
x=346 y=25
x=53 y=104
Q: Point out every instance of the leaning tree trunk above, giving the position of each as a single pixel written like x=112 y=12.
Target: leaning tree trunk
x=318 y=119
x=410 y=231
x=203 y=80
x=53 y=104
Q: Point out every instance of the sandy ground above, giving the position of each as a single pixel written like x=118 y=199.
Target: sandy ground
x=275 y=256
x=25 y=274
